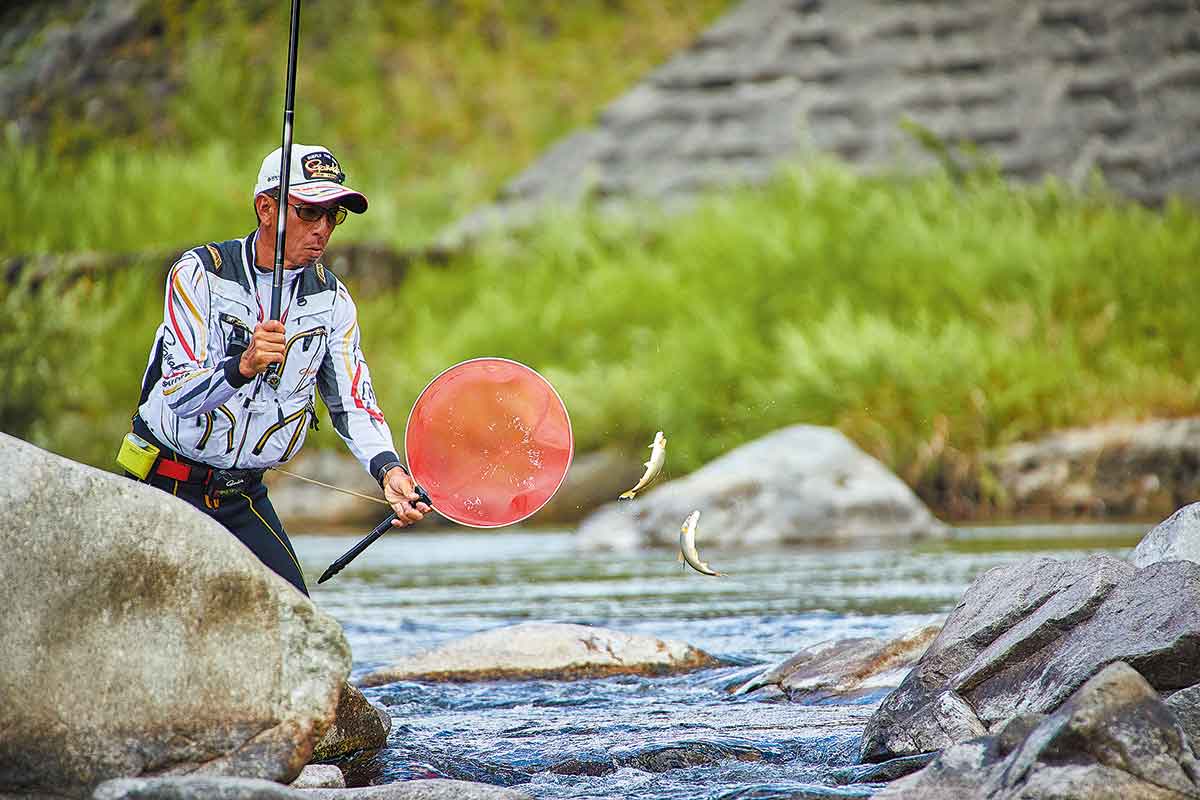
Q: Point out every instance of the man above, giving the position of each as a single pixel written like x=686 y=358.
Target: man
x=206 y=405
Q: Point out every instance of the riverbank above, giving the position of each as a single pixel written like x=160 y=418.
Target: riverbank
x=930 y=321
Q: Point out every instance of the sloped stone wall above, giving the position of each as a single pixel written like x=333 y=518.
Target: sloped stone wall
x=1063 y=87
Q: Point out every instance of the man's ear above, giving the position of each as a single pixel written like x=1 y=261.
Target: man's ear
x=264 y=206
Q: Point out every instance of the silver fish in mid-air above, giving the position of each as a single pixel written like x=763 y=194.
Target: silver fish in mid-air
x=658 y=455
x=687 y=546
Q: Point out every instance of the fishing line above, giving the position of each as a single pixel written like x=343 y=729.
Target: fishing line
x=331 y=486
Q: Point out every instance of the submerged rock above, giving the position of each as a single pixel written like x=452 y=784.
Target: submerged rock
x=799 y=484
x=1114 y=739
x=1175 y=539
x=844 y=667
x=140 y=637
x=883 y=772
x=1025 y=636
x=545 y=650
x=358 y=725
x=214 y=788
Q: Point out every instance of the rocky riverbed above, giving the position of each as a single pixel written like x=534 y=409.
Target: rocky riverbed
x=518 y=665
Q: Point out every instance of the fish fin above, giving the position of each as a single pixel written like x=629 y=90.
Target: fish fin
x=627 y=495
x=679 y=557
x=646 y=465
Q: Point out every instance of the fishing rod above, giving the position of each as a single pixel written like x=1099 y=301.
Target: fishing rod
x=285 y=169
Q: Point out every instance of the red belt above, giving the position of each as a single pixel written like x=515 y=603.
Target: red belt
x=180 y=471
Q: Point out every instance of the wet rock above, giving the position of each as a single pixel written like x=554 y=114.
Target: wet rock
x=688 y=754
x=319 y=776
x=799 y=484
x=358 y=725
x=1114 y=739
x=1025 y=636
x=545 y=650
x=845 y=667
x=215 y=788
x=594 y=767
x=883 y=772
x=1175 y=539
x=142 y=638
x=1185 y=705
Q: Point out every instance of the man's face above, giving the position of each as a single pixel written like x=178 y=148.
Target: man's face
x=307 y=237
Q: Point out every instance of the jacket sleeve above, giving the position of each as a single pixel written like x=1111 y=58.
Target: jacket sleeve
x=193 y=381
x=344 y=381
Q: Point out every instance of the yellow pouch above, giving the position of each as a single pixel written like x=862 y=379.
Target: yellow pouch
x=137 y=455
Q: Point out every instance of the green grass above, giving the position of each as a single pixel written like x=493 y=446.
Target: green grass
x=430 y=106
x=927 y=319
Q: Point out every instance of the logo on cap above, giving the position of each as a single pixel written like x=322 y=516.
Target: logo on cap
x=322 y=166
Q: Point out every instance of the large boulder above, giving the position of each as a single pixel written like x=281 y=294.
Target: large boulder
x=1027 y=635
x=141 y=638
x=799 y=484
x=545 y=650
x=1114 y=739
x=1175 y=539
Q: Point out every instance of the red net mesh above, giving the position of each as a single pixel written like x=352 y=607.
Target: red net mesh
x=490 y=442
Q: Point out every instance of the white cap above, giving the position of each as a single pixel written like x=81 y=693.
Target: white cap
x=315 y=176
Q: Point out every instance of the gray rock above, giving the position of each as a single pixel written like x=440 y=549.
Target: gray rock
x=545 y=650
x=844 y=666
x=319 y=776
x=1114 y=739
x=358 y=725
x=1176 y=538
x=1025 y=636
x=140 y=637
x=799 y=484
x=1117 y=469
x=214 y=788
x=1185 y=705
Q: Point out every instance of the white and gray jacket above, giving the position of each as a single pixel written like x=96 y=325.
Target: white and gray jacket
x=196 y=401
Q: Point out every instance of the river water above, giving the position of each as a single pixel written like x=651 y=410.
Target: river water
x=636 y=737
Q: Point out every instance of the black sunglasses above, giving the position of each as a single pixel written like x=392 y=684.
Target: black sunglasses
x=310 y=213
